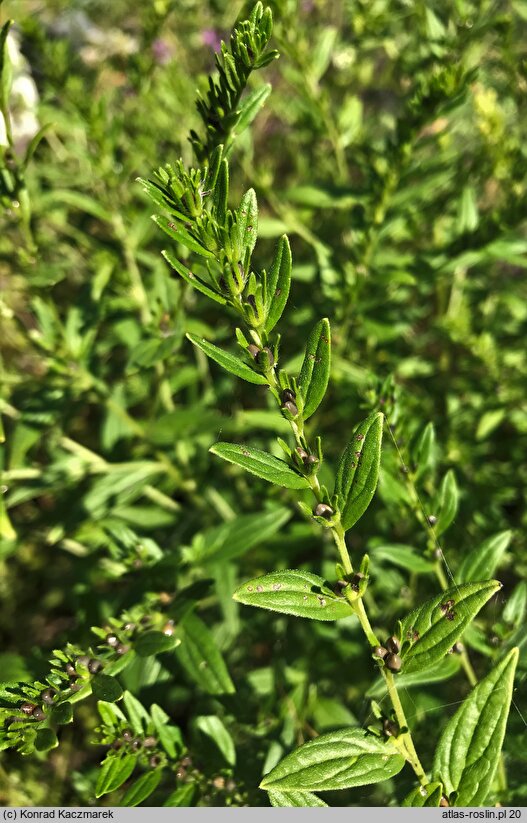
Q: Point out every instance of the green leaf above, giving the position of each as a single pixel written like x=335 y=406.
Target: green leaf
x=423 y=796
x=169 y=736
x=228 y=361
x=150 y=643
x=142 y=788
x=106 y=688
x=483 y=561
x=261 y=464
x=251 y=106
x=62 y=713
x=139 y=717
x=201 y=658
x=236 y=537
x=183 y=796
x=402 y=556
x=430 y=630
x=6 y=71
x=115 y=770
x=423 y=453
x=45 y=740
x=247 y=215
x=295 y=799
x=447 y=503
x=299 y=593
x=221 y=192
x=314 y=374
x=213 y=727
x=278 y=283
x=181 y=235
x=358 y=470
x=443 y=670
x=192 y=279
x=514 y=610
x=338 y=760
x=469 y=748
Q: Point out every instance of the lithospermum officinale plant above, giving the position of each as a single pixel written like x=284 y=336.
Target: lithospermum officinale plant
x=222 y=242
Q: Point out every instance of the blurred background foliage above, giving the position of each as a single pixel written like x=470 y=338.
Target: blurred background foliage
x=392 y=153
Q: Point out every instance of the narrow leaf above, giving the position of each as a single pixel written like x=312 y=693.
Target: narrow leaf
x=247 y=216
x=136 y=712
x=150 y=643
x=295 y=799
x=201 y=658
x=142 y=788
x=250 y=108
x=236 y=537
x=430 y=630
x=278 y=283
x=192 y=279
x=115 y=771
x=314 y=374
x=227 y=361
x=180 y=235
x=469 y=748
x=299 y=593
x=358 y=470
x=483 y=560
x=447 y=503
x=213 y=727
x=443 y=670
x=338 y=760
x=261 y=464
x=404 y=557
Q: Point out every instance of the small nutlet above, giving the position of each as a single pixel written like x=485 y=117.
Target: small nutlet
x=444 y=801
x=432 y=519
x=356 y=581
x=121 y=648
x=47 y=696
x=168 y=628
x=127 y=734
x=135 y=744
x=458 y=648
x=390 y=728
x=287 y=394
x=311 y=460
x=28 y=708
x=380 y=651
x=74 y=686
x=303 y=455
x=154 y=761
x=393 y=645
x=322 y=510
x=112 y=639
x=69 y=668
x=149 y=742
x=253 y=350
x=393 y=662
x=94 y=666
x=291 y=407
x=83 y=660
x=38 y=713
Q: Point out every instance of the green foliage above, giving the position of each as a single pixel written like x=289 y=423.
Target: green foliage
x=381 y=185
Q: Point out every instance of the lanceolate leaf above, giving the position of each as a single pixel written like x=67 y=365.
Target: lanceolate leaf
x=230 y=363
x=483 y=560
x=191 y=278
x=314 y=374
x=248 y=220
x=261 y=464
x=278 y=283
x=469 y=749
x=142 y=788
x=447 y=503
x=153 y=642
x=294 y=592
x=106 y=688
x=201 y=658
x=180 y=235
x=430 y=630
x=338 y=760
x=236 y=537
x=358 y=470
x=251 y=106
x=115 y=770
x=423 y=796
x=444 y=670
x=295 y=799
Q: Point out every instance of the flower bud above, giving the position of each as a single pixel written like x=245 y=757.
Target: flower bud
x=322 y=510
x=393 y=662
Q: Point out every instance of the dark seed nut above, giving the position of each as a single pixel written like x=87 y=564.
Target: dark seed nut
x=117 y=744
x=121 y=648
x=28 y=708
x=323 y=511
x=393 y=645
x=69 y=668
x=47 y=696
x=393 y=662
x=311 y=459
x=291 y=407
x=112 y=639
x=74 y=686
x=38 y=713
x=432 y=519
x=287 y=394
x=127 y=734
x=301 y=453
x=83 y=660
x=154 y=761
x=149 y=742
x=94 y=666
x=135 y=744
x=380 y=651
x=253 y=350
x=390 y=728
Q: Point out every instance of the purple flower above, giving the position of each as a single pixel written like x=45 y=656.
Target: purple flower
x=212 y=38
x=162 y=51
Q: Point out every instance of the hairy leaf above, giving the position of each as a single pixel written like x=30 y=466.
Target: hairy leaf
x=142 y=788
x=236 y=537
x=430 y=630
x=294 y=592
x=247 y=215
x=314 y=374
x=338 y=760
x=483 y=560
x=192 y=279
x=423 y=796
x=469 y=749
x=153 y=642
x=201 y=658
x=181 y=235
x=447 y=503
x=358 y=470
x=295 y=799
x=228 y=361
x=278 y=283
x=115 y=770
x=261 y=464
